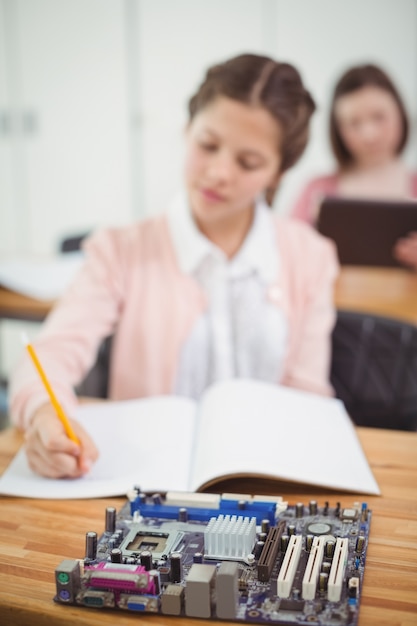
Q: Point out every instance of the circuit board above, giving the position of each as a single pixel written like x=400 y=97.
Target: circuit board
x=249 y=559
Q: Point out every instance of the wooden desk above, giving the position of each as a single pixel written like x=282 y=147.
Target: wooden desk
x=18 y=307
x=35 y=535
x=385 y=291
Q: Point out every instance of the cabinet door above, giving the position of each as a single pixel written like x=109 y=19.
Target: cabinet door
x=72 y=107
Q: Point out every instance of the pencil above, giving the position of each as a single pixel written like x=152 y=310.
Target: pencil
x=54 y=401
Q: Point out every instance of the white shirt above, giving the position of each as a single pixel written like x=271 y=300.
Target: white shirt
x=242 y=333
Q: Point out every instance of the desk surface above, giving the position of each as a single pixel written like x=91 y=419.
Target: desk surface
x=14 y=305
x=382 y=290
x=385 y=291
x=36 y=535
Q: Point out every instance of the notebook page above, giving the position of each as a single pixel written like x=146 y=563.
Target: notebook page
x=142 y=442
x=251 y=427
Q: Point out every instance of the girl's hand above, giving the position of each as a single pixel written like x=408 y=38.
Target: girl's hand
x=405 y=250
x=49 y=451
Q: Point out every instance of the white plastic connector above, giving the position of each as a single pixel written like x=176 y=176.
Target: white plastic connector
x=197 y=500
x=312 y=572
x=289 y=566
x=337 y=571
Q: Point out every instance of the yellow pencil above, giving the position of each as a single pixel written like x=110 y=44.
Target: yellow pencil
x=58 y=408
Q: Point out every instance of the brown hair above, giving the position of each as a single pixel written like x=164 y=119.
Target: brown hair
x=260 y=81
x=352 y=80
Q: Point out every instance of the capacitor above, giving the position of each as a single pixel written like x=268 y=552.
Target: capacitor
x=329 y=548
x=312 y=506
x=265 y=526
x=142 y=498
x=326 y=567
x=284 y=542
x=156 y=498
x=198 y=557
x=262 y=536
x=291 y=529
x=176 y=567
x=326 y=508
x=360 y=544
x=241 y=505
x=110 y=520
x=299 y=509
x=146 y=559
x=323 y=580
x=182 y=514
x=90 y=546
x=309 y=542
x=337 y=509
x=116 y=555
x=364 y=512
x=258 y=548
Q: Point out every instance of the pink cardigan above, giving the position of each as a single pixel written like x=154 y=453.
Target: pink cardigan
x=313 y=193
x=130 y=286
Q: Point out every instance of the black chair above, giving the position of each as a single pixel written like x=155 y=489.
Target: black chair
x=374 y=370
x=96 y=382
x=73 y=242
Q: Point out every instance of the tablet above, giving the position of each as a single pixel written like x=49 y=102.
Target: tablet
x=365 y=231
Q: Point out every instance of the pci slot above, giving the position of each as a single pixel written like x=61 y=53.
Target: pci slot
x=337 y=571
x=289 y=566
x=269 y=552
x=312 y=572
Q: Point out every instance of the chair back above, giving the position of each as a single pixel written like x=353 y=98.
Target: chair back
x=374 y=369
x=96 y=382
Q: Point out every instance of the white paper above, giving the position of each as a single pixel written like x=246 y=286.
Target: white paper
x=42 y=278
x=241 y=427
x=141 y=442
x=251 y=427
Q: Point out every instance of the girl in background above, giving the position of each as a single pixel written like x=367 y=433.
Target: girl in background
x=368 y=132
x=217 y=288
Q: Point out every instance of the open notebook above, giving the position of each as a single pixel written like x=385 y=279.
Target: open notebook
x=239 y=428
x=42 y=278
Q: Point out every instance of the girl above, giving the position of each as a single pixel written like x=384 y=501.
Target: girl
x=368 y=132
x=217 y=288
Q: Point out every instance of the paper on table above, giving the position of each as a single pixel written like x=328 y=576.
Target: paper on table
x=241 y=427
x=38 y=277
x=136 y=448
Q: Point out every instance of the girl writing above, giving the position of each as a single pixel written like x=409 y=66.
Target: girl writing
x=216 y=288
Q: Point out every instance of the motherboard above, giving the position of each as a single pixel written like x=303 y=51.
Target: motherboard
x=250 y=559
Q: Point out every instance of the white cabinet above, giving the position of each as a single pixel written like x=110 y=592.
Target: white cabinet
x=64 y=134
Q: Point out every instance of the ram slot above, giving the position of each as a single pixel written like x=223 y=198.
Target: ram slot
x=337 y=571
x=269 y=552
x=289 y=566
x=312 y=572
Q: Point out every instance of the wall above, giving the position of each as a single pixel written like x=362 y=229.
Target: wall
x=176 y=42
